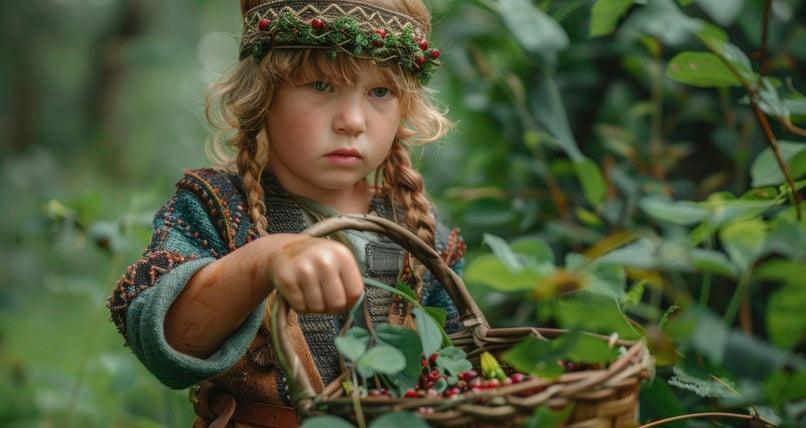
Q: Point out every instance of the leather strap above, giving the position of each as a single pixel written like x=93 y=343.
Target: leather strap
x=217 y=409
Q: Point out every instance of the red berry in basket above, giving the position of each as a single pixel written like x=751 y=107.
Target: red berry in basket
x=492 y=383
x=476 y=389
x=476 y=381
x=452 y=391
x=468 y=375
x=411 y=393
x=507 y=381
x=518 y=377
x=433 y=358
x=434 y=375
x=424 y=362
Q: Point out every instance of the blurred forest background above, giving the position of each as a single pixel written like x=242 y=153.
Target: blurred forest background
x=631 y=138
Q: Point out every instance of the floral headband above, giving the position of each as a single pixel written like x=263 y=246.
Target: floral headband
x=352 y=27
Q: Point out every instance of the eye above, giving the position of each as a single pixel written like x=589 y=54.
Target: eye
x=321 y=86
x=381 y=92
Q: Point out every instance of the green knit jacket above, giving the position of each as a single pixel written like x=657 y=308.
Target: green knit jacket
x=204 y=220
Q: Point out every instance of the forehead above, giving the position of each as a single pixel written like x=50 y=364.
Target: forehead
x=343 y=70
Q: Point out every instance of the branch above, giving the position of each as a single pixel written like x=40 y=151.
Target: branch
x=763 y=50
x=752 y=94
x=710 y=415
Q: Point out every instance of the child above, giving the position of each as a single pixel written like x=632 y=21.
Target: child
x=325 y=94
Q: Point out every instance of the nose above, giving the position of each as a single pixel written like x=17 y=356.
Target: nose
x=350 y=118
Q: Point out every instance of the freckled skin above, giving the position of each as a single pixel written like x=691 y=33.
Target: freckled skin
x=305 y=123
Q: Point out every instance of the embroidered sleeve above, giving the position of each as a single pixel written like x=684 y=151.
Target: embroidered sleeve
x=182 y=232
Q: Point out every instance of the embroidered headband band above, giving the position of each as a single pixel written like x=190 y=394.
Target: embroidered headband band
x=352 y=27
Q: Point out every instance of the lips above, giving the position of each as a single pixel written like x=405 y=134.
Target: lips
x=345 y=152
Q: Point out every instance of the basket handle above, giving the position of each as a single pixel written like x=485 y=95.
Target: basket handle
x=468 y=310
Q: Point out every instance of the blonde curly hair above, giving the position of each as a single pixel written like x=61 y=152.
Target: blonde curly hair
x=237 y=106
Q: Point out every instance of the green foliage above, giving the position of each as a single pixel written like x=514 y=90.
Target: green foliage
x=586 y=143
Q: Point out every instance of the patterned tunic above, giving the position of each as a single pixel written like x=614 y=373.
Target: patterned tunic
x=206 y=219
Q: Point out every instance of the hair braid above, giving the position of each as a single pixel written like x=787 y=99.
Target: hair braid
x=251 y=171
x=405 y=186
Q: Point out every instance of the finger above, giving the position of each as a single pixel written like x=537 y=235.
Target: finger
x=351 y=280
x=286 y=283
x=333 y=292
x=309 y=283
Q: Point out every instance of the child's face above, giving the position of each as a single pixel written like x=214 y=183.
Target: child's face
x=310 y=119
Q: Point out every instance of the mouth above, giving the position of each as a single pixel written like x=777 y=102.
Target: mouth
x=345 y=157
x=345 y=153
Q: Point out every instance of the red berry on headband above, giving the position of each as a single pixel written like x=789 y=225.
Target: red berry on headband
x=264 y=24
x=377 y=43
x=435 y=54
x=317 y=24
x=420 y=60
x=381 y=32
x=423 y=44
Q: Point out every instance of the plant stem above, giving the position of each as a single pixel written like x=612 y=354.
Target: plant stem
x=738 y=295
x=762 y=68
x=752 y=94
x=709 y=415
x=705 y=291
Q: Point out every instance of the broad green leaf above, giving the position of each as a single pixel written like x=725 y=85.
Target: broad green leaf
x=592 y=181
x=440 y=315
x=605 y=14
x=786 y=323
x=677 y=212
x=789 y=272
x=744 y=241
x=429 y=331
x=784 y=386
x=398 y=420
x=544 y=417
x=636 y=293
x=726 y=208
x=381 y=359
x=713 y=261
x=702 y=330
x=539 y=357
x=533 y=250
x=765 y=170
x=453 y=360
x=407 y=341
x=659 y=402
x=326 y=422
x=724 y=12
x=402 y=286
x=702 y=69
x=502 y=250
x=536 y=31
x=353 y=344
x=492 y=272
x=605 y=279
x=549 y=111
x=664 y=20
x=701 y=387
x=593 y=313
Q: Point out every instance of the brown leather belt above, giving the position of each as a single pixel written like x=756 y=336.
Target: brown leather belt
x=216 y=409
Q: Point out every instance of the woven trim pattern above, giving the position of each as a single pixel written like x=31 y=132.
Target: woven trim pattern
x=139 y=277
x=352 y=27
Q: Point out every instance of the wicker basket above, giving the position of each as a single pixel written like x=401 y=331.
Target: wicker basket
x=601 y=398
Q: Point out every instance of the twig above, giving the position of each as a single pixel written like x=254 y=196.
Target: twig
x=762 y=68
x=709 y=415
x=765 y=126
